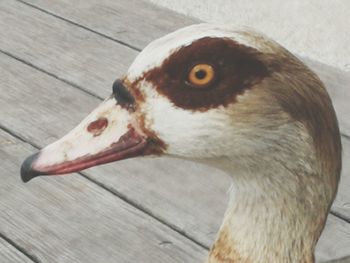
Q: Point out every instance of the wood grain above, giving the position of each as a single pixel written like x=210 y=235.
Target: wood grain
x=62 y=49
x=335 y=240
x=340 y=260
x=9 y=254
x=134 y=22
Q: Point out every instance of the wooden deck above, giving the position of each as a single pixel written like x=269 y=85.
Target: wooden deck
x=57 y=60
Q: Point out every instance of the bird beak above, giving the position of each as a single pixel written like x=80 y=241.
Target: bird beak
x=109 y=133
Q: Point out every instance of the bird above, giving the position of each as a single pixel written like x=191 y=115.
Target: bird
x=234 y=99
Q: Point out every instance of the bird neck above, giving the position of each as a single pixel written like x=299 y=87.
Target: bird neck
x=265 y=228
x=276 y=213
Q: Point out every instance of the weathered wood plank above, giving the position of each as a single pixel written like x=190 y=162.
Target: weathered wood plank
x=335 y=240
x=71 y=219
x=190 y=197
x=340 y=260
x=134 y=22
x=64 y=50
x=9 y=254
x=111 y=17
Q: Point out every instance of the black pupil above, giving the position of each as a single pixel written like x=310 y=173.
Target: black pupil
x=201 y=74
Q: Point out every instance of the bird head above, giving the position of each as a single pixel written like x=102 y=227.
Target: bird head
x=202 y=92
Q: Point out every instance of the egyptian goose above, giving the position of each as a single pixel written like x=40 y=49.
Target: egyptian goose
x=236 y=100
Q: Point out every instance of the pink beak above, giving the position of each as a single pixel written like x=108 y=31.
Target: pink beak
x=109 y=133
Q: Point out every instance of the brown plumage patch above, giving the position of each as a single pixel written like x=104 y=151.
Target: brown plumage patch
x=134 y=89
x=237 y=68
x=155 y=146
x=303 y=96
x=223 y=250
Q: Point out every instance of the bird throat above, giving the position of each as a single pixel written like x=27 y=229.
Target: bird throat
x=241 y=241
x=268 y=220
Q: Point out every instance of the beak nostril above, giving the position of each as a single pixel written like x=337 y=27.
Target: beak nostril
x=98 y=126
x=122 y=95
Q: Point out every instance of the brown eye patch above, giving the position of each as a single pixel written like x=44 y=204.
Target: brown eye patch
x=235 y=68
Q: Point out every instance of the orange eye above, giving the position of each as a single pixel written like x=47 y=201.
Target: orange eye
x=201 y=75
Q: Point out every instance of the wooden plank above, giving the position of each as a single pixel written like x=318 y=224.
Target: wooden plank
x=134 y=22
x=335 y=240
x=341 y=260
x=64 y=50
x=190 y=197
x=9 y=254
x=71 y=219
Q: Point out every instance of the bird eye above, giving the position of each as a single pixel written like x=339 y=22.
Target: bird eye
x=201 y=75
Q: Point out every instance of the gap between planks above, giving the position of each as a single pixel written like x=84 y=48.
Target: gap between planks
x=50 y=74
x=19 y=248
x=80 y=26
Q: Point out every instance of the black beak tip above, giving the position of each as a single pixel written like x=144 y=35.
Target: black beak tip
x=27 y=171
